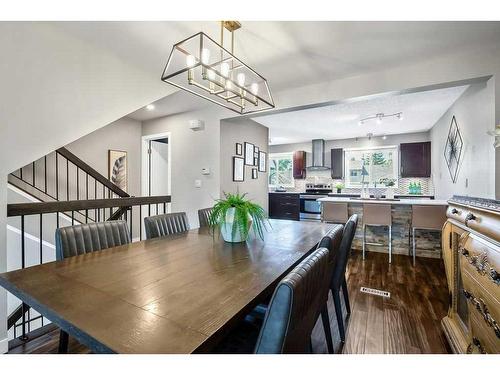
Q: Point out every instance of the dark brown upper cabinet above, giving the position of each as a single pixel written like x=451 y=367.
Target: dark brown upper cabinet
x=337 y=159
x=299 y=165
x=415 y=159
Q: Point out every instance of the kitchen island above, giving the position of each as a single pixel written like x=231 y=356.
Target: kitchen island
x=428 y=242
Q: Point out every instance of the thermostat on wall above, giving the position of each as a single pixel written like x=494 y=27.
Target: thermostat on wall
x=196 y=125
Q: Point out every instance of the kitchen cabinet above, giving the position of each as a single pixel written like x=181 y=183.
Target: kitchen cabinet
x=284 y=206
x=415 y=159
x=337 y=163
x=299 y=165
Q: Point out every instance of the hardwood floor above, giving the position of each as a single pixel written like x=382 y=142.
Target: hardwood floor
x=407 y=322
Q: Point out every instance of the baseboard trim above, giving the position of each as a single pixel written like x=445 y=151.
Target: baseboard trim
x=4 y=345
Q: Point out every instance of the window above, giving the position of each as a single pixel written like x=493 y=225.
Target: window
x=371 y=167
x=281 y=170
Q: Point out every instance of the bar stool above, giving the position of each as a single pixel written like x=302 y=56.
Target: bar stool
x=430 y=218
x=377 y=214
x=332 y=212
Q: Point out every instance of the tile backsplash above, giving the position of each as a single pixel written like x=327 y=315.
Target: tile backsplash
x=324 y=177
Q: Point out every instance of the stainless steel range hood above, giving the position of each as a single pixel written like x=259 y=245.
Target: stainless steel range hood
x=318 y=156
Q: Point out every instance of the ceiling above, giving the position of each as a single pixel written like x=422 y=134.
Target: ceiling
x=288 y=54
x=421 y=110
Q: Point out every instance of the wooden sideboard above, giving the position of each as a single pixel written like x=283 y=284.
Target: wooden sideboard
x=471 y=253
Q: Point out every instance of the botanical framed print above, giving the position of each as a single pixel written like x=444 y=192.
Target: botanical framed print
x=262 y=161
x=117 y=168
x=256 y=161
x=238 y=169
x=254 y=173
x=256 y=149
x=453 y=149
x=249 y=154
x=239 y=149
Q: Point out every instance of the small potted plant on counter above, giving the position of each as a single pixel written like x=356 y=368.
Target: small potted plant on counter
x=389 y=184
x=235 y=216
x=339 y=186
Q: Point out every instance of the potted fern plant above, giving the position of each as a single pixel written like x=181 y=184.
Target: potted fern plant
x=235 y=216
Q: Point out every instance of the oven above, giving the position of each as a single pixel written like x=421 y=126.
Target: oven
x=310 y=208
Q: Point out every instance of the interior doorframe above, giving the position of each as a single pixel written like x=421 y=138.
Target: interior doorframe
x=145 y=139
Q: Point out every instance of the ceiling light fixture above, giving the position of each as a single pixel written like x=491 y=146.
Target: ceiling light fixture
x=380 y=116
x=203 y=67
x=150 y=107
x=384 y=137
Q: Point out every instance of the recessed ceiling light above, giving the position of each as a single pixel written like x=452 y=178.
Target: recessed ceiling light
x=150 y=107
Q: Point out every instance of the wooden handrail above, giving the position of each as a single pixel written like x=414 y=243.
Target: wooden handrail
x=91 y=171
x=20 y=209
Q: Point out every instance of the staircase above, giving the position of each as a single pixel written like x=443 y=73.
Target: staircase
x=63 y=190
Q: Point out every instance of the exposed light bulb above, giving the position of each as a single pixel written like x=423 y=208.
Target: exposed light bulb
x=254 y=88
x=150 y=107
x=224 y=69
x=211 y=74
x=229 y=84
x=379 y=119
x=205 y=56
x=384 y=137
x=241 y=79
x=361 y=122
x=190 y=61
x=400 y=116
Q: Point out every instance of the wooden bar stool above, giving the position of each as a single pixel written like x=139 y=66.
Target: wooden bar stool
x=377 y=214
x=427 y=218
x=333 y=212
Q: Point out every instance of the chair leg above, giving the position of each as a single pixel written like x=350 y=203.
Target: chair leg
x=414 y=247
x=326 y=327
x=63 y=342
x=338 y=312
x=364 y=240
x=346 y=297
x=390 y=243
x=310 y=346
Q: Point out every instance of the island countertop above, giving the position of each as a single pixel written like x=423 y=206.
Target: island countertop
x=402 y=201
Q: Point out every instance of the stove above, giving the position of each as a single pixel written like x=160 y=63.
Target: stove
x=310 y=208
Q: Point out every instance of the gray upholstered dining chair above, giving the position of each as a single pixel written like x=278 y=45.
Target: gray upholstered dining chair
x=338 y=279
x=166 y=224
x=86 y=238
x=295 y=307
x=203 y=216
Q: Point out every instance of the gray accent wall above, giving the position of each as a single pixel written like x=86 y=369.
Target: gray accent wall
x=240 y=131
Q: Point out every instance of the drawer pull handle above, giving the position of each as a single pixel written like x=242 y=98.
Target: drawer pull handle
x=482 y=266
x=454 y=211
x=495 y=276
x=470 y=216
x=475 y=342
x=483 y=309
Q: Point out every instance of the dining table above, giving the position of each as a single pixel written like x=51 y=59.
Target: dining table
x=177 y=294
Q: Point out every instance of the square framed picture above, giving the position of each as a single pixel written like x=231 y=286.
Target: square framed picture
x=255 y=174
x=262 y=161
x=256 y=149
x=238 y=169
x=249 y=154
x=239 y=149
x=117 y=168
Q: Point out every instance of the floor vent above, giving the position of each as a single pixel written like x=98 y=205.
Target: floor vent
x=376 y=292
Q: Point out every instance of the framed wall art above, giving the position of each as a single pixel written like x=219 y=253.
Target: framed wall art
x=254 y=173
x=238 y=169
x=239 y=149
x=453 y=149
x=249 y=154
x=262 y=161
x=117 y=168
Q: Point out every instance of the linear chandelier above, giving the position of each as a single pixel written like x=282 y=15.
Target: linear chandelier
x=205 y=68
x=380 y=116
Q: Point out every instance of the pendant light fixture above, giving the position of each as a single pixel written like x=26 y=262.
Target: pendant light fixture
x=205 y=68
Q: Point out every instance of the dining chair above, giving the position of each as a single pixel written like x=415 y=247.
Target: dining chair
x=338 y=280
x=203 y=216
x=295 y=307
x=87 y=238
x=331 y=241
x=166 y=224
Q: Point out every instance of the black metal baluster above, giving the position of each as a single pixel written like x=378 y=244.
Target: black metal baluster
x=33 y=169
x=72 y=217
x=140 y=222
x=23 y=265
x=131 y=220
x=21 y=173
x=67 y=179
x=87 y=186
x=77 y=183
x=57 y=176
x=164 y=207
x=41 y=239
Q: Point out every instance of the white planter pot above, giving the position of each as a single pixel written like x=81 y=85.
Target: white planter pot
x=389 y=193
x=226 y=229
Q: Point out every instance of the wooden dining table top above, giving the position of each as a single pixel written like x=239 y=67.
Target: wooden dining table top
x=177 y=294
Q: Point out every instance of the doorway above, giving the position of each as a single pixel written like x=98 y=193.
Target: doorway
x=156 y=169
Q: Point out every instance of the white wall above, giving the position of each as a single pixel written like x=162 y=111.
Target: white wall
x=232 y=132
x=474 y=112
x=191 y=151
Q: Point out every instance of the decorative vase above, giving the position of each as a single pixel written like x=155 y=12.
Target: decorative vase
x=389 y=193
x=227 y=228
x=339 y=191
